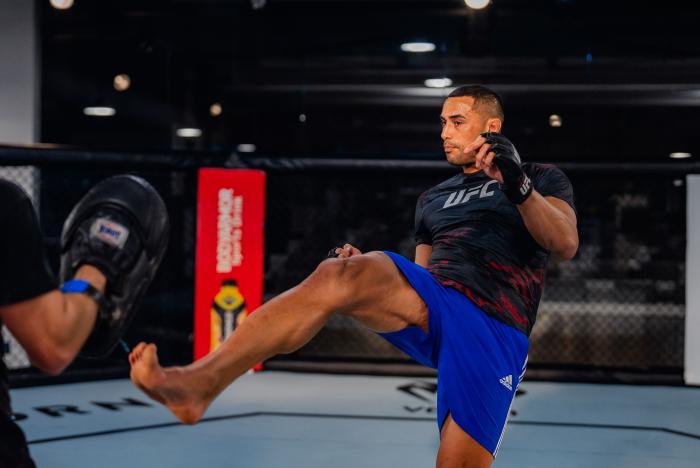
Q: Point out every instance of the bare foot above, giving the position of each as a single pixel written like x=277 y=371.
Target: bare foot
x=172 y=387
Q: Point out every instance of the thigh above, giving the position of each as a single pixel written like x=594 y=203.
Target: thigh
x=459 y=450
x=379 y=296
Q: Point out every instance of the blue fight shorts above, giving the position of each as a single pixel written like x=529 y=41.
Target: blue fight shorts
x=480 y=361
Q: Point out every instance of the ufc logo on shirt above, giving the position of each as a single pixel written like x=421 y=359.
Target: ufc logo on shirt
x=464 y=195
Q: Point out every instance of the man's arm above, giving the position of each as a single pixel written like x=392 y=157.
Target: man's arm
x=423 y=253
x=549 y=220
x=552 y=223
x=53 y=327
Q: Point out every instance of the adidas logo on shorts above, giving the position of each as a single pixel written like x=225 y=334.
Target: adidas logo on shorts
x=507 y=382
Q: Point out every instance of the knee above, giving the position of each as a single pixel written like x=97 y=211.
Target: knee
x=330 y=273
x=338 y=278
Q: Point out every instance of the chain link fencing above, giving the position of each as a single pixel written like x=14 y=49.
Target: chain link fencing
x=619 y=304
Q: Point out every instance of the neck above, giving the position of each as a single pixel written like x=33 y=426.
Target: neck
x=470 y=169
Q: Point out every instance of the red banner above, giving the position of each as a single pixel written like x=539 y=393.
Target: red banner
x=230 y=250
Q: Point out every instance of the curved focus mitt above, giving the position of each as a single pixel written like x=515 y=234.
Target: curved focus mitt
x=120 y=227
x=517 y=186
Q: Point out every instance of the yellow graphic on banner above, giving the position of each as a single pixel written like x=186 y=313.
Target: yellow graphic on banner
x=228 y=310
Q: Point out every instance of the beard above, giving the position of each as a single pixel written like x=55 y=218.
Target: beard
x=456 y=157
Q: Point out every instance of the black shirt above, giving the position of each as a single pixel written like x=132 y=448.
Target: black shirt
x=24 y=275
x=481 y=246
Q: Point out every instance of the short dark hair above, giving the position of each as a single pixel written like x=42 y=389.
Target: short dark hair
x=482 y=97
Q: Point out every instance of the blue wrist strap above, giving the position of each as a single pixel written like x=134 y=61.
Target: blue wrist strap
x=75 y=286
x=78 y=286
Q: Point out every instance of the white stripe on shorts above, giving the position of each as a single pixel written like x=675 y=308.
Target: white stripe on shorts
x=503 y=431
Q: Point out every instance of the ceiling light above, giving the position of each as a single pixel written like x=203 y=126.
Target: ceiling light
x=99 y=111
x=61 y=4
x=246 y=148
x=677 y=182
x=302 y=118
x=122 y=82
x=438 y=82
x=189 y=132
x=555 y=121
x=418 y=47
x=477 y=4
x=679 y=155
x=215 y=109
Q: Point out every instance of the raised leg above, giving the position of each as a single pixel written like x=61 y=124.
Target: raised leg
x=368 y=287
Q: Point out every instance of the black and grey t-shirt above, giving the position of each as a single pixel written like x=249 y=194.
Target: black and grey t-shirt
x=481 y=246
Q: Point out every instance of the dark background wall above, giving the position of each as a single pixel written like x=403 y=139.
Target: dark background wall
x=624 y=76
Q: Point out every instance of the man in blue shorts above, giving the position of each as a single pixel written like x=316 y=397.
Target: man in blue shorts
x=466 y=306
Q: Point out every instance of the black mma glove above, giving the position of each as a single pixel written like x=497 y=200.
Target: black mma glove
x=516 y=185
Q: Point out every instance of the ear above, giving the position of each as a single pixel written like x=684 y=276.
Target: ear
x=494 y=125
